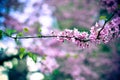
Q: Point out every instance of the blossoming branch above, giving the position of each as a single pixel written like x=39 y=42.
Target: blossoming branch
x=97 y=34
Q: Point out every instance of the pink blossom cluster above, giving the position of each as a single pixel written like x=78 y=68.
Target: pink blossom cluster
x=112 y=29
x=79 y=38
x=97 y=34
x=94 y=33
x=109 y=31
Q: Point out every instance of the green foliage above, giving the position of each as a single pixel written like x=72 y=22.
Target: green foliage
x=22 y=52
x=103 y=18
x=33 y=56
x=10 y=31
x=20 y=34
x=104 y=14
x=25 y=30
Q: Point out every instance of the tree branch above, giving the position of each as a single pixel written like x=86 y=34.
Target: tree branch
x=52 y=36
x=105 y=24
x=43 y=36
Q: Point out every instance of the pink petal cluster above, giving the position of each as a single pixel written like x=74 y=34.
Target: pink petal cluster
x=111 y=30
x=97 y=34
x=94 y=33
x=79 y=38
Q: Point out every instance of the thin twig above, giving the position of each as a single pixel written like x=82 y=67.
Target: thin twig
x=44 y=36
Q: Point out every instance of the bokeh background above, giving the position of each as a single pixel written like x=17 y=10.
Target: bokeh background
x=55 y=61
